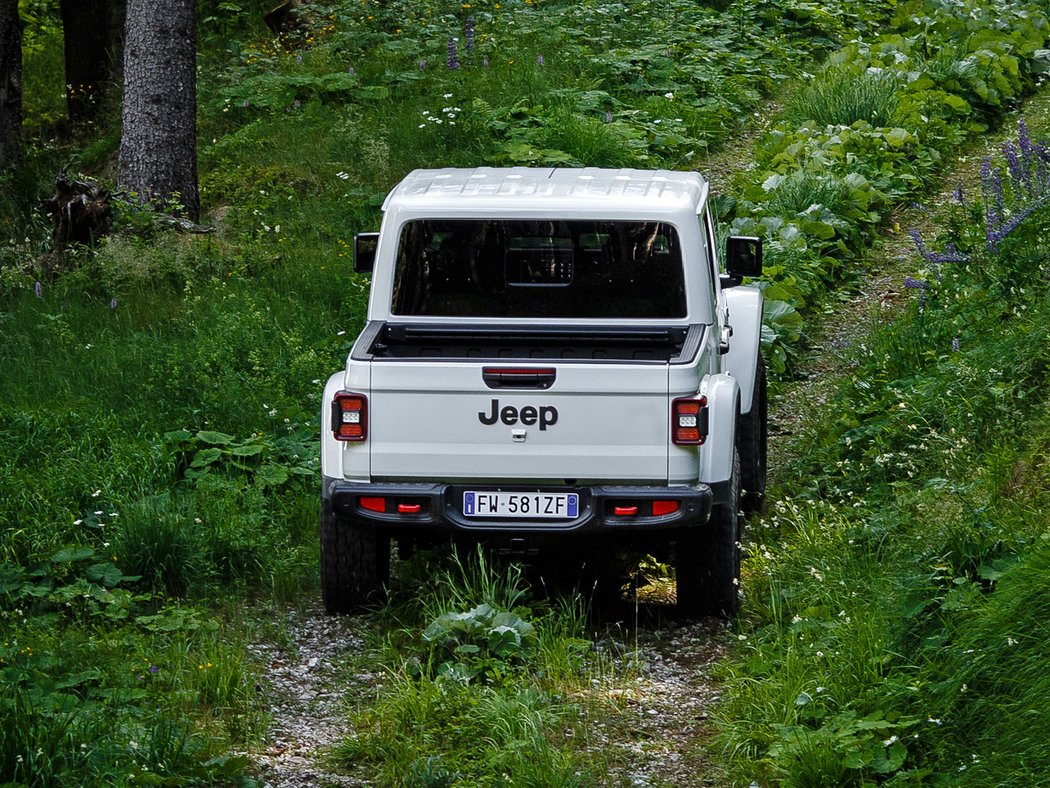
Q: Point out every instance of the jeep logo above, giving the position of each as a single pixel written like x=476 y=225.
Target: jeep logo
x=544 y=415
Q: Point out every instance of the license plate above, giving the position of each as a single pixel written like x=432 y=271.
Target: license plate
x=523 y=505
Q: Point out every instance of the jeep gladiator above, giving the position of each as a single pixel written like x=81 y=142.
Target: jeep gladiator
x=556 y=363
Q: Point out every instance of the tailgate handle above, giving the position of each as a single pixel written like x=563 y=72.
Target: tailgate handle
x=519 y=377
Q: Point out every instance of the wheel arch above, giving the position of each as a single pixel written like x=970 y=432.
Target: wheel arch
x=723 y=402
x=745 y=316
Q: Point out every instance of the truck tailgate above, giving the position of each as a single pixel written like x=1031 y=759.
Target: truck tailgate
x=440 y=420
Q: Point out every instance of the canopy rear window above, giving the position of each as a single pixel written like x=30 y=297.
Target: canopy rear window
x=538 y=269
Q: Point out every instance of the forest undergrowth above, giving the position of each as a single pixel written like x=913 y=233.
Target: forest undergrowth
x=158 y=392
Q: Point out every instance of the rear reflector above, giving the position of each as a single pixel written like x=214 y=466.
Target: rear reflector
x=372 y=504
x=689 y=421
x=349 y=416
x=664 y=507
x=409 y=508
x=625 y=511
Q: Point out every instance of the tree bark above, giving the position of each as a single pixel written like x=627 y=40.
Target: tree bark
x=10 y=84
x=158 y=138
x=93 y=32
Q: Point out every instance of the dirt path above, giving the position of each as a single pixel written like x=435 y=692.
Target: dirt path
x=658 y=722
x=655 y=711
x=306 y=687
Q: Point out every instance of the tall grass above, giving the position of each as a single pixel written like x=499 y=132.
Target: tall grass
x=895 y=596
x=841 y=97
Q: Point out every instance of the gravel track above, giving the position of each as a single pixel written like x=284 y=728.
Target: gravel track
x=306 y=686
x=654 y=714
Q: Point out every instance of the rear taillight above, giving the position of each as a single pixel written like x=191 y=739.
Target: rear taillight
x=349 y=416
x=689 y=421
x=380 y=504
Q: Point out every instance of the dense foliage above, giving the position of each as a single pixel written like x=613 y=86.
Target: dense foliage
x=897 y=619
x=158 y=393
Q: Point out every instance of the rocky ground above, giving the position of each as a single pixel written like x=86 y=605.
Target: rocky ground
x=306 y=687
x=657 y=727
x=654 y=715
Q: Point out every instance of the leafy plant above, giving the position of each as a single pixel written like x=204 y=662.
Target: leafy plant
x=481 y=642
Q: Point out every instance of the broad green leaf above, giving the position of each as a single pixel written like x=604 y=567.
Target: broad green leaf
x=273 y=475
x=898 y=137
x=76 y=679
x=215 y=438
x=105 y=573
x=206 y=457
x=70 y=554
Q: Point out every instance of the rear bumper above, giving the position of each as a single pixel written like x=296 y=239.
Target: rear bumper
x=440 y=508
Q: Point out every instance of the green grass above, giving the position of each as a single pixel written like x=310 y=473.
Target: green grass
x=841 y=97
x=482 y=682
x=158 y=399
x=894 y=605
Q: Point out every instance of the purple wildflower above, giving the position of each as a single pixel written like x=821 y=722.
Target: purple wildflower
x=955 y=345
x=453 y=59
x=299 y=58
x=917 y=284
x=113 y=303
x=608 y=117
x=38 y=289
x=153 y=669
x=1028 y=171
x=1018 y=173
x=919 y=244
x=244 y=104
x=422 y=65
x=950 y=255
x=914 y=284
x=350 y=70
x=485 y=62
x=468 y=36
x=539 y=59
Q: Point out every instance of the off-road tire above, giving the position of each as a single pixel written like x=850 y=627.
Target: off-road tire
x=752 y=442
x=355 y=563
x=707 y=559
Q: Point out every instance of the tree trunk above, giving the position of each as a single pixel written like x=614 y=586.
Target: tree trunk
x=10 y=84
x=158 y=138
x=93 y=31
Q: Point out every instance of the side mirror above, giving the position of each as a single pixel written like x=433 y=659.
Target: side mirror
x=365 y=245
x=743 y=258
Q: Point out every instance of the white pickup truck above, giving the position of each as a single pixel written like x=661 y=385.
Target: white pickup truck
x=554 y=363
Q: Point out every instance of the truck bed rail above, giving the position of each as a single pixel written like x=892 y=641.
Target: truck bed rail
x=580 y=343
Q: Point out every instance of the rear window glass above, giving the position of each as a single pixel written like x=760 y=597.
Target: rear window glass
x=555 y=268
